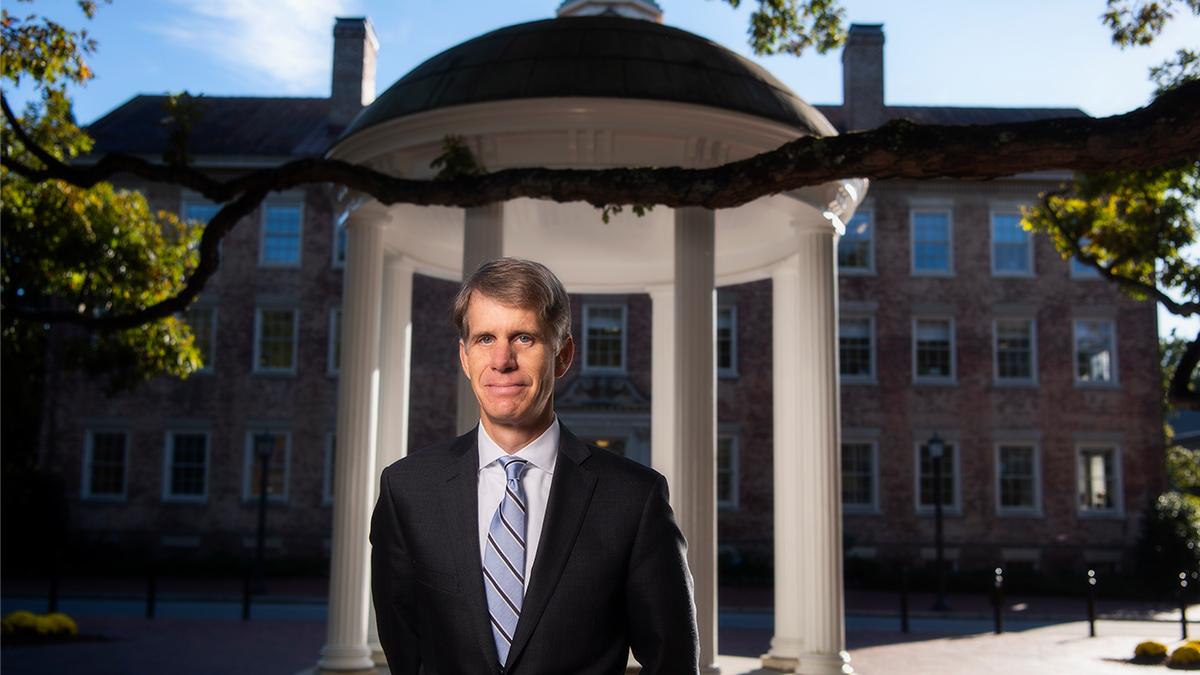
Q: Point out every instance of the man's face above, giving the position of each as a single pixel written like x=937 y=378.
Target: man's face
x=510 y=360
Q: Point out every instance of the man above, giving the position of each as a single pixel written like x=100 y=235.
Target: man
x=517 y=548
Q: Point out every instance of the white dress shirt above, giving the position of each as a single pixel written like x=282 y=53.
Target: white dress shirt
x=542 y=454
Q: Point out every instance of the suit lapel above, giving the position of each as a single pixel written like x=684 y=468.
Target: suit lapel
x=460 y=500
x=570 y=493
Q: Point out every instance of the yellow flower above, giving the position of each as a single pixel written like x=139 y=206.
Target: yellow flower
x=1149 y=649
x=1184 y=656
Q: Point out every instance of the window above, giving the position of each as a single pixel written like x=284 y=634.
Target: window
x=1018 y=487
x=856 y=248
x=279 y=443
x=104 y=465
x=856 y=353
x=335 y=341
x=340 y=238
x=1080 y=269
x=604 y=338
x=727 y=471
x=931 y=243
x=199 y=211
x=186 y=477
x=1095 y=351
x=727 y=341
x=925 y=483
x=933 y=350
x=615 y=445
x=330 y=459
x=1012 y=250
x=281 y=235
x=858 y=476
x=203 y=322
x=1014 y=349
x=1099 y=479
x=275 y=341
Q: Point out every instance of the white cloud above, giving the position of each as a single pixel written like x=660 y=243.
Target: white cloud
x=284 y=42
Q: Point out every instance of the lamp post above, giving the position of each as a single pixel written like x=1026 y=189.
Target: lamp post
x=264 y=445
x=937 y=449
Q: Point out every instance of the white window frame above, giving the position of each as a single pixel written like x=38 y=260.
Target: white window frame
x=258 y=310
x=869 y=270
x=335 y=328
x=248 y=465
x=262 y=233
x=169 y=463
x=731 y=504
x=952 y=378
x=873 y=507
x=1118 y=510
x=599 y=370
x=1036 y=509
x=327 y=478
x=1115 y=381
x=872 y=377
x=339 y=226
x=1032 y=380
x=1009 y=210
x=954 y=508
x=939 y=207
x=86 y=482
x=732 y=370
x=210 y=363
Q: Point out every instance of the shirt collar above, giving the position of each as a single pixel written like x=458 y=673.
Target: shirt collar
x=542 y=452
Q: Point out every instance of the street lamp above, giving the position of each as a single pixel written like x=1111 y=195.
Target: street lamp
x=264 y=445
x=937 y=449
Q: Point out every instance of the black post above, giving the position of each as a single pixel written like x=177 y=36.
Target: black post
x=936 y=448
x=54 y=582
x=1183 y=605
x=263 y=445
x=151 y=590
x=245 y=592
x=904 y=599
x=998 y=601
x=1091 y=603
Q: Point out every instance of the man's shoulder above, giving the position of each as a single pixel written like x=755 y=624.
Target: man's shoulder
x=632 y=475
x=422 y=463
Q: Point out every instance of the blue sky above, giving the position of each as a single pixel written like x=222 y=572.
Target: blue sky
x=938 y=52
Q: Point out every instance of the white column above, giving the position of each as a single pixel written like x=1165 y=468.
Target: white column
x=395 y=357
x=696 y=414
x=809 y=619
x=346 y=647
x=663 y=449
x=483 y=240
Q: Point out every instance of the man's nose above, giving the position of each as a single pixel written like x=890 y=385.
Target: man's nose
x=504 y=357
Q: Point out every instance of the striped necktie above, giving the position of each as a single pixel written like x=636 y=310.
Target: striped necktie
x=504 y=558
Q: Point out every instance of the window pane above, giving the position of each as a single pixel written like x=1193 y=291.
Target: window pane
x=854 y=347
x=1093 y=351
x=926 y=477
x=725 y=337
x=1014 y=349
x=1010 y=243
x=1082 y=269
x=276 y=344
x=1097 y=479
x=1017 y=476
x=200 y=320
x=725 y=469
x=931 y=241
x=200 y=211
x=604 y=337
x=933 y=348
x=854 y=248
x=858 y=474
x=188 y=459
x=281 y=235
x=276 y=471
x=108 y=464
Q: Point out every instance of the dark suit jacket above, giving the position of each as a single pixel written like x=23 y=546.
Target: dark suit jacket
x=610 y=572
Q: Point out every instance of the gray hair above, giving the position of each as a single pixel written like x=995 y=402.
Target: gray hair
x=519 y=283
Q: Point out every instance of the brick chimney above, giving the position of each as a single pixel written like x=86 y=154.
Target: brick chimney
x=862 y=77
x=354 y=50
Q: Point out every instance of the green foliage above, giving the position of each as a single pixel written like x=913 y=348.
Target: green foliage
x=1184 y=67
x=183 y=111
x=611 y=210
x=456 y=160
x=1137 y=22
x=1183 y=469
x=792 y=26
x=1170 y=541
x=1171 y=349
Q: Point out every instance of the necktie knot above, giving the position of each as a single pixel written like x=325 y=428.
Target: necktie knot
x=514 y=467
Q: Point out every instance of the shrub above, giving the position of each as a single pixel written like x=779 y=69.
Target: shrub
x=1185 y=657
x=1170 y=532
x=23 y=625
x=1150 y=651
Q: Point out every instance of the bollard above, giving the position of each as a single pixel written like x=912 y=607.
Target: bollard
x=1183 y=605
x=1091 y=603
x=246 y=594
x=998 y=601
x=904 y=599
x=151 y=592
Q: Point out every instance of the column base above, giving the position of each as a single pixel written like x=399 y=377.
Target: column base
x=784 y=664
x=810 y=664
x=346 y=661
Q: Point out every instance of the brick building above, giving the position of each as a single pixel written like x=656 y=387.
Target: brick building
x=1042 y=379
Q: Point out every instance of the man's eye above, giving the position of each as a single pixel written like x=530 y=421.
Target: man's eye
x=486 y=339
x=525 y=339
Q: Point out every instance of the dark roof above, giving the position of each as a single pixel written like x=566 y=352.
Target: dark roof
x=954 y=115
x=225 y=127
x=592 y=56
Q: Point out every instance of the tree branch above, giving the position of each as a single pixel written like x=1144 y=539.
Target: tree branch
x=1180 y=392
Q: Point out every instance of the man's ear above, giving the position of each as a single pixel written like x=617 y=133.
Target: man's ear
x=562 y=360
x=462 y=358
